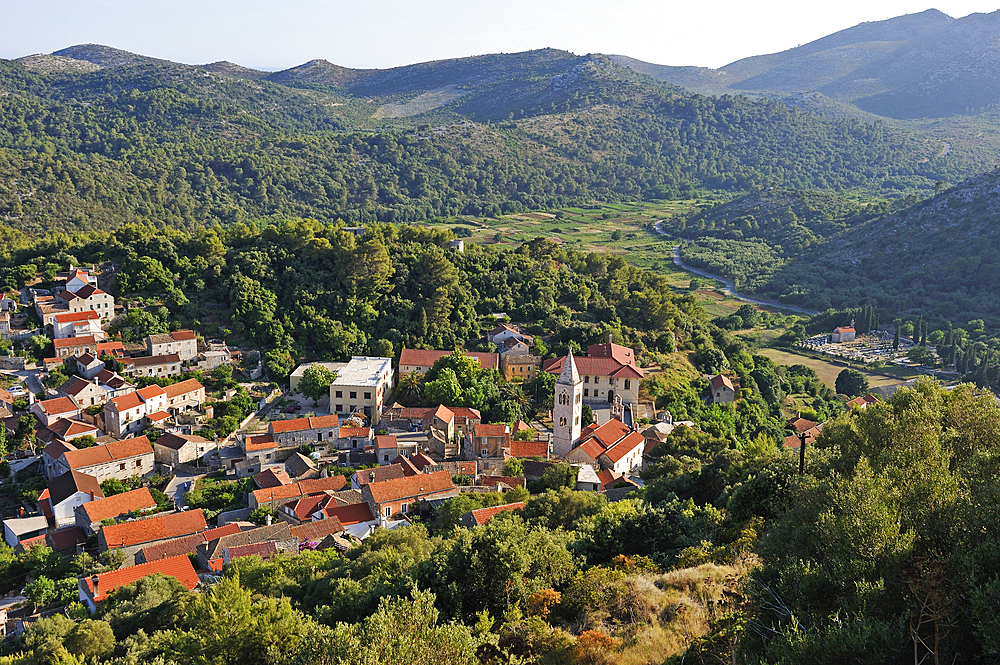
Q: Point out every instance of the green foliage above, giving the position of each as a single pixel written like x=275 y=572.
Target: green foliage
x=260 y=514
x=113 y=486
x=315 y=382
x=851 y=382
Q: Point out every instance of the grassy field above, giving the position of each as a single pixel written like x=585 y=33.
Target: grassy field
x=828 y=370
x=621 y=228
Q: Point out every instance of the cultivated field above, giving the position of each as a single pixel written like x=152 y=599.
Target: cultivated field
x=828 y=370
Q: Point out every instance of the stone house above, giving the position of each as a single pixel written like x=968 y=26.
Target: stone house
x=174 y=449
x=159 y=366
x=393 y=497
x=115 y=459
x=183 y=343
x=722 y=389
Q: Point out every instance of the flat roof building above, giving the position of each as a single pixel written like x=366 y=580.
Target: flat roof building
x=363 y=384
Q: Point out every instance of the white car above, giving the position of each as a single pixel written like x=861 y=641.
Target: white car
x=17 y=391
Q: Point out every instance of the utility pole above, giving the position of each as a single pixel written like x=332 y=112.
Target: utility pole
x=803 y=436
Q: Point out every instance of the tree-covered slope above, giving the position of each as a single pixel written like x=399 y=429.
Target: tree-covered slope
x=147 y=140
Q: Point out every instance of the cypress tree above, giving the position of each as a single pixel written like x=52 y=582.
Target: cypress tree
x=895 y=340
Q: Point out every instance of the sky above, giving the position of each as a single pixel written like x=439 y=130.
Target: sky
x=387 y=33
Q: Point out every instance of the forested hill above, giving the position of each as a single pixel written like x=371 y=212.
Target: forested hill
x=124 y=137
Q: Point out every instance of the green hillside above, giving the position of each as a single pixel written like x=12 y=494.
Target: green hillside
x=146 y=140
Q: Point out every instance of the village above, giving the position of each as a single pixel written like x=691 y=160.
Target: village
x=117 y=445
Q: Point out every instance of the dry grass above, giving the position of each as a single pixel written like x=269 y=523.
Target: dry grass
x=681 y=600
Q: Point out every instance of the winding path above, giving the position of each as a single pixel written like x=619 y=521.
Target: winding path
x=729 y=287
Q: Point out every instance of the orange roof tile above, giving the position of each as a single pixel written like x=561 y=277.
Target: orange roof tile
x=126 y=402
x=58 y=406
x=491 y=430
x=264 y=550
x=182 y=335
x=529 y=448
x=484 y=515
x=354 y=513
x=154 y=528
x=109 y=452
x=186 y=544
x=306 y=506
x=625 y=446
x=119 y=504
x=380 y=474
x=386 y=441
x=427 y=358
x=73 y=317
x=178 y=567
x=182 y=388
x=299 y=424
x=593 y=447
x=72 y=342
x=271 y=478
x=260 y=442
x=149 y=392
x=411 y=486
x=157 y=416
x=346 y=432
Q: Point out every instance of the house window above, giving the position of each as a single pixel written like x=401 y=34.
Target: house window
x=354 y=394
x=628 y=384
x=404 y=508
x=562 y=422
x=340 y=407
x=138 y=464
x=484 y=452
x=319 y=436
x=385 y=458
x=121 y=466
x=586 y=392
x=597 y=380
x=340 y=393
x=388 y=511
x=368 y=395
x=586 y=379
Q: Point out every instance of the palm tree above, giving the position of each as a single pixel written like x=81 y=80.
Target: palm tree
x=411 y=389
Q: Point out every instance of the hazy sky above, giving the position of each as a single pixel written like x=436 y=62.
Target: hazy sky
x=385 y=33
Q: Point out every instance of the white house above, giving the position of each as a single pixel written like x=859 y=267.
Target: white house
x=77 y=324
x=362 y=385
x=68 y=491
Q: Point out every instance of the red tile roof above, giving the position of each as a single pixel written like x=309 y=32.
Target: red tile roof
x=427 y=358
x=484 y=515
x=157 y=416
x=299 y=489
x=177 y=441
x=346 y=432
x=422 y=461
x=306 y=506
x=28 y=543
x=411 y=486
x=110 y=452
x=383 y=441
x=718 y=381
x=408 y=468
x=299 y=424
x=178 y=567
x=182 y=388
x=261 y=442
x=69 y=429
x=88 y=290
x=58 y=406
x=611 y=431
x=622 y=354
x=593 y=447
x=182 y=335
x=73 y=342
x=625 y=446
x=354 y=513
x=271 y=478
x=529 y=448
x=149 y=392
x=109 y=349
x=119 y=504
x=801 y=424
x=490 y=430
x=57 y=448
x=126 y=402
x=73 y=317
x=844 y=330
x=160 y=527
x=595 y=367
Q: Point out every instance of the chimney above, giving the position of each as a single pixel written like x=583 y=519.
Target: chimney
x=94 y=580
x=611 y=338
x=91 y=495
x=371 y=477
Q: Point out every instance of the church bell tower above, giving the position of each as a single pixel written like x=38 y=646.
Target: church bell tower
x=567 y=408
